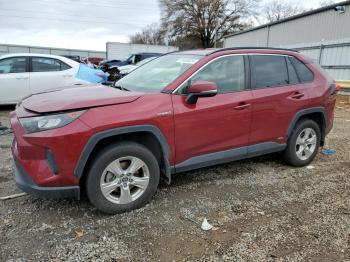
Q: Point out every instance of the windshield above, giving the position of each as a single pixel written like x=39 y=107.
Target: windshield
x=127 y=57
x=144 y=61
x=158 y=73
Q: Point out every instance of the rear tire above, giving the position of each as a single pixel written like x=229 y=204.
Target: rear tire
x=122 y=177
x=303 y=144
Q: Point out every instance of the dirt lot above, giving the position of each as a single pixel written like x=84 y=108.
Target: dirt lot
x=262 y=210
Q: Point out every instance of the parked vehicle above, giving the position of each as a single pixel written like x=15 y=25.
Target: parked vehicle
x=126 y=69
x=95 y=60
x=115 y=50
x=25 y=74
x=179 y=112
x=75 y=58
x=111 y=66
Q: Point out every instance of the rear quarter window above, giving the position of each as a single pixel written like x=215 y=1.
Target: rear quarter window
x=305 y=74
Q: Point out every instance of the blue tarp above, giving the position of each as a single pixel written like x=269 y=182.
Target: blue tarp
x=91 y=75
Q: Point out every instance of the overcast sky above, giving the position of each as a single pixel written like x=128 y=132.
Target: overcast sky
x=80 y=24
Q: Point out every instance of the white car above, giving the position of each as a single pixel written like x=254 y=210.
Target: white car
x=25 y=74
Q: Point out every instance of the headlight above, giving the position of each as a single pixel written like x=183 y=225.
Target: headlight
x=41 y=123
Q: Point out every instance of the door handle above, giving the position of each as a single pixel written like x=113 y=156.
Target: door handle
x=67 y=75
x=297 y=95
x=242 y=106
x=21 y=77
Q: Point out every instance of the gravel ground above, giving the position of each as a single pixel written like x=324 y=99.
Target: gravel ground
x=262 y=210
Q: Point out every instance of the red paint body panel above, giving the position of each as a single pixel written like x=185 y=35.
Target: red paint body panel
x=66 y=143
x=76 y=98
x=213 y=124
x=210 y=125
x=143 y=111
x=273 y=110
x=201 y=86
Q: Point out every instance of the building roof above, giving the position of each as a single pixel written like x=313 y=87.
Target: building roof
x=311 y=12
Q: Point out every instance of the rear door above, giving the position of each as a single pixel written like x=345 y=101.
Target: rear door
x=216 y=123
x=49 y=73
x=14 y=79
x=277 y=95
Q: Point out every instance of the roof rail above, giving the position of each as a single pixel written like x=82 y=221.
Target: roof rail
x=252 y=47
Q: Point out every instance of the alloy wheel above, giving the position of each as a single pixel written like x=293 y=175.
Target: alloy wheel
x=124 y=180
x=306 y=143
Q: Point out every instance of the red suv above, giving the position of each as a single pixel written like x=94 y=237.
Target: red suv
x=181 y=111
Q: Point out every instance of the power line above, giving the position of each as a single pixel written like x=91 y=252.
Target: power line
x=127 y=3
x=93 y=4
x=70 y=21
x=70 y=15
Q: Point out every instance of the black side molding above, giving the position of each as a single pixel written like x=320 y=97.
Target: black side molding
x=78 y=172
x=51 y=162
x=304 y=112
x=228 y=156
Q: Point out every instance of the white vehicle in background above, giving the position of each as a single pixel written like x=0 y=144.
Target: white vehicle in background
x=126 y=69
x=119 y=51
x=28 y=73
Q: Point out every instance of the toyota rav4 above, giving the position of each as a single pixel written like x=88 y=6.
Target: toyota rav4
x=179 y=112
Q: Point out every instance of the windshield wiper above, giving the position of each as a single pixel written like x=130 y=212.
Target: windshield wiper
x=121 y=88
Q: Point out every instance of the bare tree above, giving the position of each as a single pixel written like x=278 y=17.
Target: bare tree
x=151 y=35
x=275 y=10
x=204 y=21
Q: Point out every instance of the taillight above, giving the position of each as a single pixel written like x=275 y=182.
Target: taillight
x=334 y=88
x=337 y=87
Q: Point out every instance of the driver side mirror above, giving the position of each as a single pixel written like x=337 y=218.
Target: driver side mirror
x=201 y=89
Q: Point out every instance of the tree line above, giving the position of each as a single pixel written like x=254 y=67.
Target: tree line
x=204 y=23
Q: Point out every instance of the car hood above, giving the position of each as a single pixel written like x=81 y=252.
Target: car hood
x=77 y=98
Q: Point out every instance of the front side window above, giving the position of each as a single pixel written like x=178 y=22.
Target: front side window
x=44 y=64
x=13 y=65
x=138 y=58
x=226 y=72
x=158 y=73
x=268 y=71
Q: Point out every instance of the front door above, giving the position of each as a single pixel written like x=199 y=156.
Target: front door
x=214 y=124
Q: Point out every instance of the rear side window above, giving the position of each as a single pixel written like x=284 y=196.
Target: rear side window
x=64 y=66
x=44 y=64
x=304 y=73
x=13 y=65
x=268 y=71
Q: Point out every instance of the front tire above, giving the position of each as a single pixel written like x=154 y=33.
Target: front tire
x=122 y=177
x=303 y=144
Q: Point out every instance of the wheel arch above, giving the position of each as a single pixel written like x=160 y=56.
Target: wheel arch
x=148 y=135
x=318 y=114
